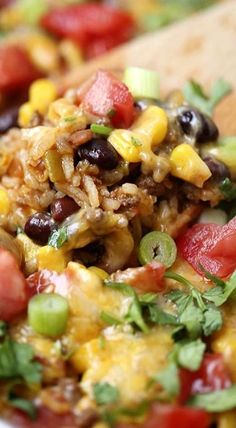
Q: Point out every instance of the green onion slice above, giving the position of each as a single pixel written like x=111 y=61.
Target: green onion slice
x=157 y=246
x=48 y=314
x=142 y=83
x=100 y=129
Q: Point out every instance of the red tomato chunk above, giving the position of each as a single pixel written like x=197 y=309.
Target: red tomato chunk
x=108 y=94
x=171 y=416
x=212 y=376
x=211 y=246
x=96 y=27
x=16 y=69
x=13 y=287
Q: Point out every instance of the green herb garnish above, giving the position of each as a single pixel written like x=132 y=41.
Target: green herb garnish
x=217 y=401
x=101 y=129
x=196 y=96
x=228 y=189
x=58 y=237
x=23 y=404
x=17 y=362
x=105 y=393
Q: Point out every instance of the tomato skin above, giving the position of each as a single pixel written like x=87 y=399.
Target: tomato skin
x=16 y=69
x=96 y=27
x=45 y=418
x=211 y=246
x=172 y=416
x=213 y=375
x=106 y=94
x=13 y=287
x=149 y=277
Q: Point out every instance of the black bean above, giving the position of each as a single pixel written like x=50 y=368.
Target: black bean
x=218 y=169
x=63 y=207
x=99 y=152
x=197 y=125
x=39 y=226
x=8 y=118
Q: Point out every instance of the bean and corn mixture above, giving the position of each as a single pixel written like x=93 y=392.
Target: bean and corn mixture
x=40 y=38
x=117 y=262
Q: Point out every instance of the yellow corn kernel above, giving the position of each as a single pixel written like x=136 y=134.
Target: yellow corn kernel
x=53 y=165
x=4 y=202
x=149 y=129
x=51 y=258
x=43 y=52
x=152 y=124
x=127 y=143
x=26 y=112
x=187 y=165
x=102 y=274
x=227 y=420
x=71 y=53
x=30 y=251
x=41 y=93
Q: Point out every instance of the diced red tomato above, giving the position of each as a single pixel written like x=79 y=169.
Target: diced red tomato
x=108 y=94
x=171 y=416
x=146 y=278
x=213 y=375
x=13 y=287
x=45 y=418
x=16 y=69
x=211 y=246
x=96 y=27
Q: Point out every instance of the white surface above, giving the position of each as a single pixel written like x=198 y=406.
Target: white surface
x=5 y=425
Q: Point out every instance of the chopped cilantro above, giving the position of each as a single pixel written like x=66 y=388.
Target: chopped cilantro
x=169 y=380
x=190 y=354
x=135 y=141
x=212 y=320
x=158 y=316
x=219 y=295
x=101 y=129
x=105 y=393
x=228 y=189
x=69 y=118
x=16 y=361
x=23 y=404
x=3 y=328
x=58 y=237
x=217 y=401
x=109 y=318
x=196 y=96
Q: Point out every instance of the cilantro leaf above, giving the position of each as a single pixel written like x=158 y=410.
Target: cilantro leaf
x=219 y=295
x=134 y=314
x=147 y=298
x=190 y=354
x=219 y=90
x=3 y=328
x=228 y=189
x=212 y=320
x=158 y=316
x=180 y=298
x=215 y=279
x=105 y=393
x=58 y=237
x=192 y=318
x=217 y=401
x=16 y=361
x=196 y=96
x=109 y=318
x=25 y=405
x=169 y=380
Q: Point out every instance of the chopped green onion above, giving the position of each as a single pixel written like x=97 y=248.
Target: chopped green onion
x=142 y=83
x=48 y=314
x=157 y=246
x=213 y=215
x=100 y=129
